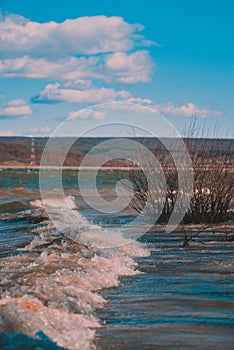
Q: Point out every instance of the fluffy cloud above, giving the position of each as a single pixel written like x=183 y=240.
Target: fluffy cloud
x=140 y=101
x=75 y=92
x=126 y=68
x=137 y=105
x=15 y=108
x=55 y=93
x=71 y=68
x=87 y=114
x=83 y=35
x=80 y=84
x=132 y=68
x=186 y=110
x=97 y=47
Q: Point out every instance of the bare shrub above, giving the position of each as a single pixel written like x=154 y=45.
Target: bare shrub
x=212 y=199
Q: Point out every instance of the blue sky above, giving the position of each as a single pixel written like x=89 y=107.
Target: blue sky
x=58 y=59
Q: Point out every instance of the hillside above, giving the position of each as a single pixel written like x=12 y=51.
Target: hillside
x=17 y=150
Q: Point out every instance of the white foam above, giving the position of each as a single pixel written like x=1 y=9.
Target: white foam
x=29 y=316
x=57 y=284
x=75 y=226
x=66 y=203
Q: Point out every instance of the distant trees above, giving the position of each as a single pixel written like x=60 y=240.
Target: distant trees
x=10 y=151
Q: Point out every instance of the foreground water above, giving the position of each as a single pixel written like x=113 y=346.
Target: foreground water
x=62 y=291
x=184 y=299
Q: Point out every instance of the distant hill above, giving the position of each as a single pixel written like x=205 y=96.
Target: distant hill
x=17 y=150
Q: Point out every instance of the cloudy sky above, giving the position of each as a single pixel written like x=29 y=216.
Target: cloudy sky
x=175 y=57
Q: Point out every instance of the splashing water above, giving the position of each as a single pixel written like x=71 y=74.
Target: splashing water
x=52 y=284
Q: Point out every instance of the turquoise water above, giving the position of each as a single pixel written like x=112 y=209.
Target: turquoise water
x=183 y=298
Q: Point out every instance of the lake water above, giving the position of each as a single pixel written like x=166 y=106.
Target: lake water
x=63 y=291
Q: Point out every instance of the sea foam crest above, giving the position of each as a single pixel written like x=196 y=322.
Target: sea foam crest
x=54 y=287
x=75 y=226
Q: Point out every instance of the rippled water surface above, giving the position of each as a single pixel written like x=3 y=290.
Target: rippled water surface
x=62 y=291
x=184 y=299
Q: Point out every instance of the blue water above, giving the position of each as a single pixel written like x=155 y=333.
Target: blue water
x=183 y=300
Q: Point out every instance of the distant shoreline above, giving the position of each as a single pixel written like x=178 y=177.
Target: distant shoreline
x=38 y=167
x=104 y=168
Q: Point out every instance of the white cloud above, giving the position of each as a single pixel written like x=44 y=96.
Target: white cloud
x=84 y=35
x=70 y=68
x=137 y=104
x=15 y=108
x=6 y=133
x=140 y=101
x=129 y=68
x=142 y=106
x=45 y=130
x=96 y=47
x=126 y=68
x=80 y=84
x=54 y=93
x=87 y=114
x=186 y=110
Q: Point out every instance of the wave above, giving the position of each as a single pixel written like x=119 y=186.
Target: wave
x=21 y=191
x=4 y=193
x=12 y=206
x=52 y=284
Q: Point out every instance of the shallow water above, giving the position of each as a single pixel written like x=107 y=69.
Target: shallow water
x=148 y=295
x=183 y=300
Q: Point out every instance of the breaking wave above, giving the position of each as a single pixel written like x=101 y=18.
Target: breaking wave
x=52 y=284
